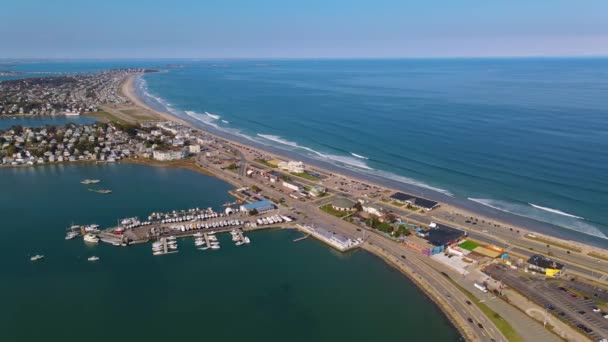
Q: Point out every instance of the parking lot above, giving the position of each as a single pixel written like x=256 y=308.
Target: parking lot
x=558 y=298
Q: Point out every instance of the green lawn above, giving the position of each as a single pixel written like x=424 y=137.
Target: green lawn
x=337 y=213
x=105 y=116
x=305 y=176
x=264 y=162
x=468 y=245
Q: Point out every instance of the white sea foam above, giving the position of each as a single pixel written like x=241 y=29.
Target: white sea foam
x=411 y=181
x=226 y=121
x=204 y=118
x=552 y=216
x=343 y=160
x=358 y=155
x=213 y=116
x=555 y=211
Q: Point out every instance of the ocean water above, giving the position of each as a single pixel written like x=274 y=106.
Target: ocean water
x=525 y=136
x=522 y=136
x=270 y=290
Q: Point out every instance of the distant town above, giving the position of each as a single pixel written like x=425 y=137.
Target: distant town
x=103 y=142
x=63 y=95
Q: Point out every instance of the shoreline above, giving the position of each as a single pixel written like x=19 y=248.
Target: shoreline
x=465 y=207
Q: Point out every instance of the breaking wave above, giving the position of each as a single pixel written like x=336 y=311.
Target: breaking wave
x=358 y=156
x=328 y=157
x=213 y=116
x=555 y=211
x=548 y=215
x=356 y=164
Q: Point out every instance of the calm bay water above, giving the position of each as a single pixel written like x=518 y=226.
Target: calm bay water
x=271 y=290
x=39 y=121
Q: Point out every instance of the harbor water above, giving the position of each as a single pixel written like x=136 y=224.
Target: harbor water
x=270 y=290
x=40 y=121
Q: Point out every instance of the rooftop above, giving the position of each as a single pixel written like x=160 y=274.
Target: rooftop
x=414 y=200
x=441 y=235
x=544 y=262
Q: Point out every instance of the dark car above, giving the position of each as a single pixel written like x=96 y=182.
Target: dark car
x=468 y=302
x=403 y=256
x=561 y=314
x=550 y=307
x=581 y=312
x=470 y=320
x=480 y=326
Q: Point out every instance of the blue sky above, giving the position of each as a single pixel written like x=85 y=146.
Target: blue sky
x=301 y=29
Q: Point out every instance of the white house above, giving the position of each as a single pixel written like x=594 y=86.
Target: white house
x=291 y=186
x=292 y=166
x=168 y=155
x=194 y=149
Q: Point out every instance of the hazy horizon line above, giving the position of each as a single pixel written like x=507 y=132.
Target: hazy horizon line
x=305 y=58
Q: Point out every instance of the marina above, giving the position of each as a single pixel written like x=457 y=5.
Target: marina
x=164 y=228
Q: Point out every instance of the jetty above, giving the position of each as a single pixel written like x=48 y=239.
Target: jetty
x=301 y=238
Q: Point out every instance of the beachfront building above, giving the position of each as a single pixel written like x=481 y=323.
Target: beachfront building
x=371 y=208
x=292 y=186
x=548 y=267
x=317 y=191
x=419 y=202
x=194 y=149
x=441 y=236
x=168 y=155
x=260 y=206
x=292 y=166
x=343 y=204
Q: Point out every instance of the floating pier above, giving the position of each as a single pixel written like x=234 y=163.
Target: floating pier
x=301 y=238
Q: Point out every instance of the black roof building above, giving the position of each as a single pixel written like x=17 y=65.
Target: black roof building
x=442 y=235
x=414 y=200
x=544 y=262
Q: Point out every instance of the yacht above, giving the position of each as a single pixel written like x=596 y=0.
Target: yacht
x=246 y=240
x=71 y=235
x=93 y=258
x=37 y=257
x=158 y=253
x=90 y=181
x=91 y=238
x=238 y=243
x=92 y=228
x=215 y=246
